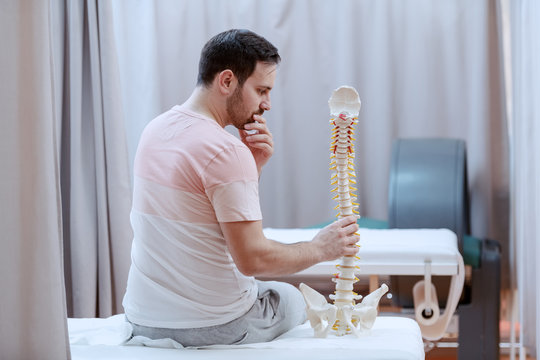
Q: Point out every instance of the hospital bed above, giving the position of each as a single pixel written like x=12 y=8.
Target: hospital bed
x=391 y=338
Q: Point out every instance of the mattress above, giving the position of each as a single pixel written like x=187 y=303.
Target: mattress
x=388 y=251
x=390 y=338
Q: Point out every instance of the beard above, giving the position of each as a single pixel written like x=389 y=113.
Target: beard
x=238 y=114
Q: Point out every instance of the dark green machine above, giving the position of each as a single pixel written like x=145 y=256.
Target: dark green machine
x=428 y=188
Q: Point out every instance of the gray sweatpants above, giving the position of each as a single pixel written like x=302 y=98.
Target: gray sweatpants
x=278 y=308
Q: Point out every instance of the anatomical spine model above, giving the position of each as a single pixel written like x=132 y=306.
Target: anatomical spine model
x=344 y=316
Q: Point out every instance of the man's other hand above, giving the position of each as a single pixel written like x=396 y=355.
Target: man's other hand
x=260 y=141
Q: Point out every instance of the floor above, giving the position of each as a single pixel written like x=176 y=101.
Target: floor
x=447 y=354
x=450 y=353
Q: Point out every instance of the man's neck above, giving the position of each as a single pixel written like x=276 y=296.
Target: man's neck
x=203 y=102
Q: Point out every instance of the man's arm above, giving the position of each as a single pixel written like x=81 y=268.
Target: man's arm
x=255 y=255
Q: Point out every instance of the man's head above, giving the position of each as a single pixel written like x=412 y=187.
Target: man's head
x=236 y=50
x=253 y=98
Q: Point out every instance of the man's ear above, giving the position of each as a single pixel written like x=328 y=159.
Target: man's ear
x=227 y=82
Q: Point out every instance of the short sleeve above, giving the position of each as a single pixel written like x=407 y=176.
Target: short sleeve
x=232 y=186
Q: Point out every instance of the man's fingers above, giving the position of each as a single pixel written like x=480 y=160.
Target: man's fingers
x=347 y=225
x=259 y=119
x=351 y=251
x=351 y=229
x=259 y=123
x=259 y=138
x=351 y=219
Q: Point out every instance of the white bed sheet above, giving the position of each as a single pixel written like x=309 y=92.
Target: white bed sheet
x=391 y=338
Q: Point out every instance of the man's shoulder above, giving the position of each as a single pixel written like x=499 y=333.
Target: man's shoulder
x=207 y=132
x=194 y=133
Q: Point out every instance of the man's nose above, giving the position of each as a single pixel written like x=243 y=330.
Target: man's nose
x=266 y=104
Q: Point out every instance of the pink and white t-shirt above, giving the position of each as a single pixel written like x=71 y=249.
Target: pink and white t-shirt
x=189 y=175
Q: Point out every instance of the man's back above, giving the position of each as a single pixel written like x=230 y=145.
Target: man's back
x=189 y=175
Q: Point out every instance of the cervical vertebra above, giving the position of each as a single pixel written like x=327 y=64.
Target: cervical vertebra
x=344 y=316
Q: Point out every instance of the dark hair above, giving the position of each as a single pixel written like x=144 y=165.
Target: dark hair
x=238 y=50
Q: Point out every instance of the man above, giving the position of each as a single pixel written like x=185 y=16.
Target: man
x=198 y=240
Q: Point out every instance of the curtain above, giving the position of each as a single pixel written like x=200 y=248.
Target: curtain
x=523 y=88
x=422 y=69
x=65 y=188
x=32 y=312
x=95 y=183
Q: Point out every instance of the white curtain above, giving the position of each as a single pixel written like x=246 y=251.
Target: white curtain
x=32 y=299
x=523 y=89
x=95 y=183
x=422 y=69
x=65 y=188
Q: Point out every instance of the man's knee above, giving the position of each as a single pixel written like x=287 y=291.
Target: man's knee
x=292 y=303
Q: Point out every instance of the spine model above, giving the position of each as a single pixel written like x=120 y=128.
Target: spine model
x=342 y=162
x=344 y=315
